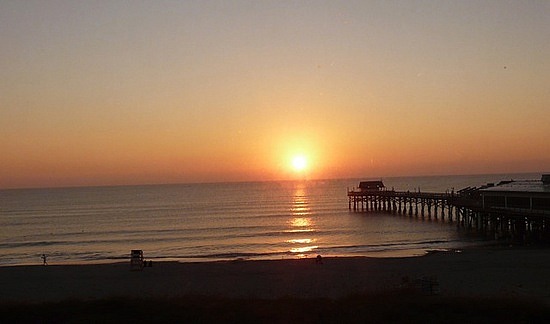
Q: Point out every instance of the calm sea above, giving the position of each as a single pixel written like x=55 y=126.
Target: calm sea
x=219 y=221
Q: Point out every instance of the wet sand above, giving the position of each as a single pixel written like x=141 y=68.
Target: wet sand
x=487 y=272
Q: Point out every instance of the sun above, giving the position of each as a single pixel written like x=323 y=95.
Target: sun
x=299 y=163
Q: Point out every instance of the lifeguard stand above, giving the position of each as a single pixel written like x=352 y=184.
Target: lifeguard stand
x=136 y=260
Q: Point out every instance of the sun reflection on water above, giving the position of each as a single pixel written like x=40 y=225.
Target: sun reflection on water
x=302 y=241
x=301 y=223
x=303 y=249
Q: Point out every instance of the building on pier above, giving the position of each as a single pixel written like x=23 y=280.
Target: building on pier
x=519 y=196
x=371 y=186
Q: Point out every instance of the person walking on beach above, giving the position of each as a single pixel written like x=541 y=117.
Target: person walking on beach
x=44 y=258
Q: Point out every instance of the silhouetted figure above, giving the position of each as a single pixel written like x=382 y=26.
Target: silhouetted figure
x=319 y=259
x=44 y=259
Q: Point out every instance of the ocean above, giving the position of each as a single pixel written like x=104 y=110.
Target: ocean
x=220 y=221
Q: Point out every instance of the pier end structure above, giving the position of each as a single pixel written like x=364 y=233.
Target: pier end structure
x=361 y=197
x=374 y=196
x=376 y=185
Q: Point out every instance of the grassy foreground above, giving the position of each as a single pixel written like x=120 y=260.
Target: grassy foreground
x=199 y=309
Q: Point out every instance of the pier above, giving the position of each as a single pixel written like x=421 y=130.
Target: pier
x=515 y=210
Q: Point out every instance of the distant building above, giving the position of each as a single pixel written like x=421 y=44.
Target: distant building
x=525 y=195
x=371 y=185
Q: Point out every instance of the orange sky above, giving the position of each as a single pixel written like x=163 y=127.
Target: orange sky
x=198 y=91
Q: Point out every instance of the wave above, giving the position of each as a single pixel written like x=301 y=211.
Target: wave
x=247 y=252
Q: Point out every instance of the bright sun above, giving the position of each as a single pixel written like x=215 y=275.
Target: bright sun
x=299 y=163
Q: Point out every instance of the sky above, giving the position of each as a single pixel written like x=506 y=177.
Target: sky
x=143 y=92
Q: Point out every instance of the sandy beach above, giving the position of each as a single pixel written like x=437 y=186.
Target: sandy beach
x=490 y=272
x=487 y=285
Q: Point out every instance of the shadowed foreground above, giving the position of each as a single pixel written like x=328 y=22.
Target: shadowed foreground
x=482 y=285
x=377 y=308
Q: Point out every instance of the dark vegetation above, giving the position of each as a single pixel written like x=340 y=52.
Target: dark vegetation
x=361 y=309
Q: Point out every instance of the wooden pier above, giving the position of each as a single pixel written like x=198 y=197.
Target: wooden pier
x=407 y=203
x=467 y=208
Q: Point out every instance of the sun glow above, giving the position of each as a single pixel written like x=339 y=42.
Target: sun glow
x=299 y=163
x=298 y=157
